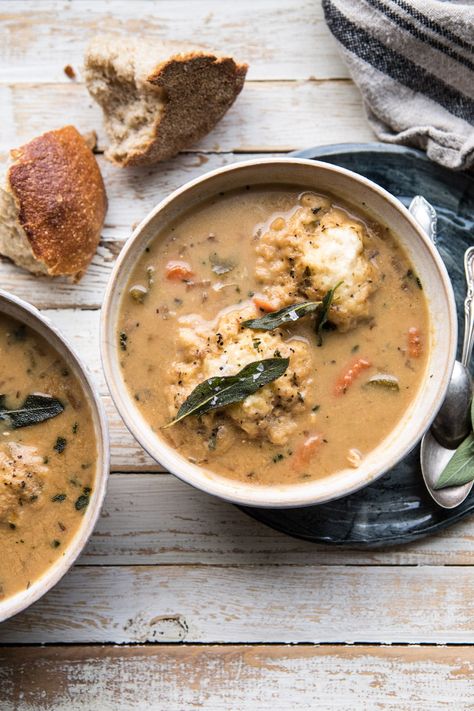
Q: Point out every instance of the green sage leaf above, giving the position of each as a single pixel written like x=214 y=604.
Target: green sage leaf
x=323 y=312
x=460 y=469
x=35 y=409
x=286 y=315
x=220 y=391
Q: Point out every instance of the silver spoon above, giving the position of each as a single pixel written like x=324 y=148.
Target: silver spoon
x=452 y=424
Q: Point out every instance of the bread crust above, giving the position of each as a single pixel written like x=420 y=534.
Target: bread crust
x=182 y=96
x=60 y=196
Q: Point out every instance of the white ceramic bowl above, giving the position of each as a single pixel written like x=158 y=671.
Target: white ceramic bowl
x=384 y=208
x=31 y=317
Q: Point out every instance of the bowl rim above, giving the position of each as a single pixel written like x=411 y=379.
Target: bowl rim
x=111 y=305
x=19 y=601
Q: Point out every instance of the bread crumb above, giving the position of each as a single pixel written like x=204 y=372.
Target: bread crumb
x=69 y=72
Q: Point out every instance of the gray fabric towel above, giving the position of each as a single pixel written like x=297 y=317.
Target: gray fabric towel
x=413 y=61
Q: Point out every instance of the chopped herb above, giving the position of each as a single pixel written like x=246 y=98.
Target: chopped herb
x=411 y=275
x=278 y=457
x=82 y=502
x=55 y=543
x=59 y=498
x=212 y=441
x=315 y=408
x=355 y=348
x=123 y=338
x=19 y=333
x=60 y=445
x=12 y=526
x=75 y=428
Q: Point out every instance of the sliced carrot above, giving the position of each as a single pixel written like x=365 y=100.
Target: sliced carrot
x=348 y=377
x=415 y=347
x=178 y=270
x=306 y=450
x=262 y=303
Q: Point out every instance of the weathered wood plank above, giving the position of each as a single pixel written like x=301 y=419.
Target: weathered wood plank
x=250 y=604
x=236 y=677
x=279 y=40
x=156 y=519
x=277 y=116
x=126 y=453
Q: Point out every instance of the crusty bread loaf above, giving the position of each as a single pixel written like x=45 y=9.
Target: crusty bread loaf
x=155 y=105
x=53 y=207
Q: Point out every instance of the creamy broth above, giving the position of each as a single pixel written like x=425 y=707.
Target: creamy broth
x=47 y=469
x=237 y=257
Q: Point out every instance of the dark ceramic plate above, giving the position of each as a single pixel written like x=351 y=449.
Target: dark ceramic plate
x=397 y=508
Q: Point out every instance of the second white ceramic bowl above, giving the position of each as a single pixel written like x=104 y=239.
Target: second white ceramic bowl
x=26 y=314
x=382 y=207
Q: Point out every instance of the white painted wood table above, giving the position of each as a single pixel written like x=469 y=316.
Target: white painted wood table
x=179 y=600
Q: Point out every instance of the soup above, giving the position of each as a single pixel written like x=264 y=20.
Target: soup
x=313 y=307
x=47 y=456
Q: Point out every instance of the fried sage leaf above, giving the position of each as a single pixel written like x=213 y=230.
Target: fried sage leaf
x=460 y=469
x=35 y=409
x=323 y=313
x=220 y=391
x=286 y=315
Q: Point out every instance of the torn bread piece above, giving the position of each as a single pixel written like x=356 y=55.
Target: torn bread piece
x=53 y=206
x=155 y=104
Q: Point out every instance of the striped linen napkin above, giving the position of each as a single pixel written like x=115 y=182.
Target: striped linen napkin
x=413 y=61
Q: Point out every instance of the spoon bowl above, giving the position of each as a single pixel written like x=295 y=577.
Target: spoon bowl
x=452 y=424
x=434 y=459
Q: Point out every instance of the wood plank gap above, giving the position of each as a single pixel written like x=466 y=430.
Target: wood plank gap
x=249 y=645
x=265 y=565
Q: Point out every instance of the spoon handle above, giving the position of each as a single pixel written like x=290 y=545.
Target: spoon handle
x=425 y=214
x=468 y=308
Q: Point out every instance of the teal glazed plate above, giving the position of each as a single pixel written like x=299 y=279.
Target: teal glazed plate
x=396 y=508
